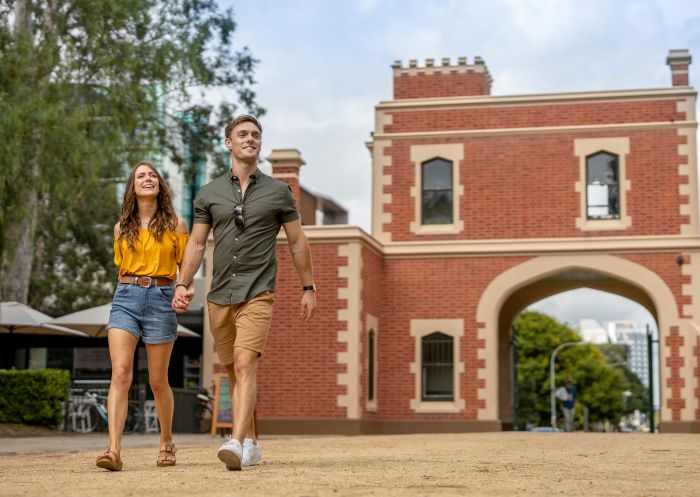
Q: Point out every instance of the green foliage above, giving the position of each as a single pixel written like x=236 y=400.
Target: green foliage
x=599 y=386
x=33 y=397
x=617 y=356
x=87 y=88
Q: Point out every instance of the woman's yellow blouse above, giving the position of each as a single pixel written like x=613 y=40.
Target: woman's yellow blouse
x=149 y=257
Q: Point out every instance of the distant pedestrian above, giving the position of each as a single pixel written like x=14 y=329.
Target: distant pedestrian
x=568 y=404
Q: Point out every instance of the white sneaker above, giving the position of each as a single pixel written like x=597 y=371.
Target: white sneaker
x=252 y=454
x=231 y=454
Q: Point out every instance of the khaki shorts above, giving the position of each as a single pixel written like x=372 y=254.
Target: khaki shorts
x=241 y=325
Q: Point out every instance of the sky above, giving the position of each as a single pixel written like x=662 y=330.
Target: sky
x=325 y=64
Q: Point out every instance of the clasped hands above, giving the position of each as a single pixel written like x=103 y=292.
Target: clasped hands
x=182 y=297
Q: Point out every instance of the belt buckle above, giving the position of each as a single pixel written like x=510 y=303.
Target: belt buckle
x=150 y=281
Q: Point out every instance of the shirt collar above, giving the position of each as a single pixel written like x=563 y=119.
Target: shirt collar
x=257 y=176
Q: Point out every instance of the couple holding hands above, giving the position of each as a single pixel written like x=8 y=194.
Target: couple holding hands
x=157 y=262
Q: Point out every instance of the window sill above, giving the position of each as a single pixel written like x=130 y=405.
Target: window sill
x=447 y=407
x=604 y=224
x=437 y=229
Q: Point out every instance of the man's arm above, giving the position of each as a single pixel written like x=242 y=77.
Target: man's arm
x=301 y=257
x=191 y=260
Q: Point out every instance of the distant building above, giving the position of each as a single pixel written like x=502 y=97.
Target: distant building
x=627 y=333
x=592 y=332
x=319 y=210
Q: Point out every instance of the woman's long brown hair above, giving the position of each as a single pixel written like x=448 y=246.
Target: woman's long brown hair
x=164 y=219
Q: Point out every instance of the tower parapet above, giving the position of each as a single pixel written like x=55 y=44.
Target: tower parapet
x=442 y=80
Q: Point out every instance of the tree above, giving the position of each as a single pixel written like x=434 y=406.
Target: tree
x=617 y=356
x=600 y=387
x=87 y=88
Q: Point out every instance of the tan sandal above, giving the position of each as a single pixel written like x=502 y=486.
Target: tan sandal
x=166 y=456
x=109 y=460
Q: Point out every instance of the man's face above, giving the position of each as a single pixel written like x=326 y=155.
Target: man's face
x=244 y=142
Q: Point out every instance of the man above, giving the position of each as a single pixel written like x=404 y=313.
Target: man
x=568 y=404
x=246 y=209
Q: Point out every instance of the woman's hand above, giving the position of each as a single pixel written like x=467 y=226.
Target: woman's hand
x=182 y=297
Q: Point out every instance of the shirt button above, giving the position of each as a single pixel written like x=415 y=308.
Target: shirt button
x=239 y=191
x=234 y=256
x=236 y=238
x=234 y=274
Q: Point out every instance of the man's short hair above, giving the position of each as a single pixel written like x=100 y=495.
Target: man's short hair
x=241 y=119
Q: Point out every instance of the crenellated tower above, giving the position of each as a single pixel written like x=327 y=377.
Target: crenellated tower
x=439 y=81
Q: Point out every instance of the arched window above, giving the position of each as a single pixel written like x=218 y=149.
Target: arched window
x=437 y=195
x=371 y=351
x=437 y=366
x=602 y=186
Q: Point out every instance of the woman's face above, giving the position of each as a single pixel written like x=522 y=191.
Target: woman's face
x=146 y=182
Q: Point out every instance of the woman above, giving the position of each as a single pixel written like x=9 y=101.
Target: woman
x=149 y=241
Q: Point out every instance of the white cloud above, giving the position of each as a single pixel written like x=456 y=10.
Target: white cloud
x=585 y=303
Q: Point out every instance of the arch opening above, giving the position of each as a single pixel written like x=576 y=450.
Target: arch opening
x=554 y=284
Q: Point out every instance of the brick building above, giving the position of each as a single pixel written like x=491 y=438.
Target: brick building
x=483 y=205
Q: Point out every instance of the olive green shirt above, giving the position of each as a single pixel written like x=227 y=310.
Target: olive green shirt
x=244 y=259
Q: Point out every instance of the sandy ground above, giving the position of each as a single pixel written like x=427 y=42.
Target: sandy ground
x=484 y=464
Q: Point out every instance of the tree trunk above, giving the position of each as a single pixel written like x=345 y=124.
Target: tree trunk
x=18 y=257
x=17 y=261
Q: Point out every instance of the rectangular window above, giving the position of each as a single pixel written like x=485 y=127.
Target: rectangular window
x=436 y=181
x=602 y=186
x=437 y=367
x=370 y=367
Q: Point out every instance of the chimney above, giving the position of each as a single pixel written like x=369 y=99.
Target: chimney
x=679 y=60
x=285 y=167
x=441 y=80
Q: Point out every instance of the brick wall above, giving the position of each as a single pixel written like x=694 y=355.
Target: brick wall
x=430 y=289
x=440 y=85
x=298 y=372
x=526 y=116
x=523 y=186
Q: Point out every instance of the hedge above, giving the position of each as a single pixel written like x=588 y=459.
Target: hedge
x=33 y=396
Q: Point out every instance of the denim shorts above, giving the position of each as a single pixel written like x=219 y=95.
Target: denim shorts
x=145 y=312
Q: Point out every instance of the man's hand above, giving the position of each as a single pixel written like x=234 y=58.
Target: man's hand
x=182 y=298
x=308 y=305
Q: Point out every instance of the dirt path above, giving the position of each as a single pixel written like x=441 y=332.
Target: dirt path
x=484 y=464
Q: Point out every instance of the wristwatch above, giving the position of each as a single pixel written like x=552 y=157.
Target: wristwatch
x=310 y=288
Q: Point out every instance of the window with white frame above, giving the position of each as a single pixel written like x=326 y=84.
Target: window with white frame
x=602 y=183
x=602 y=186
x=437 y=194
x=437 y=190
x=437 y=367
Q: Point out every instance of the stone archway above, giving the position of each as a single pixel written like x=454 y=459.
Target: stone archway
x=509 y=293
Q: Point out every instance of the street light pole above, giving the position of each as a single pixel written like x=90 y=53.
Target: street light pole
x=551 y=377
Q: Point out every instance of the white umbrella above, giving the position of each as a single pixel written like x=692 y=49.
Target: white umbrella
x=16 y=318
x=94 y=321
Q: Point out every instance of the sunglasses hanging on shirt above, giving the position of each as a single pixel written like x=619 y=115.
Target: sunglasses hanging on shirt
x=238 y=216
